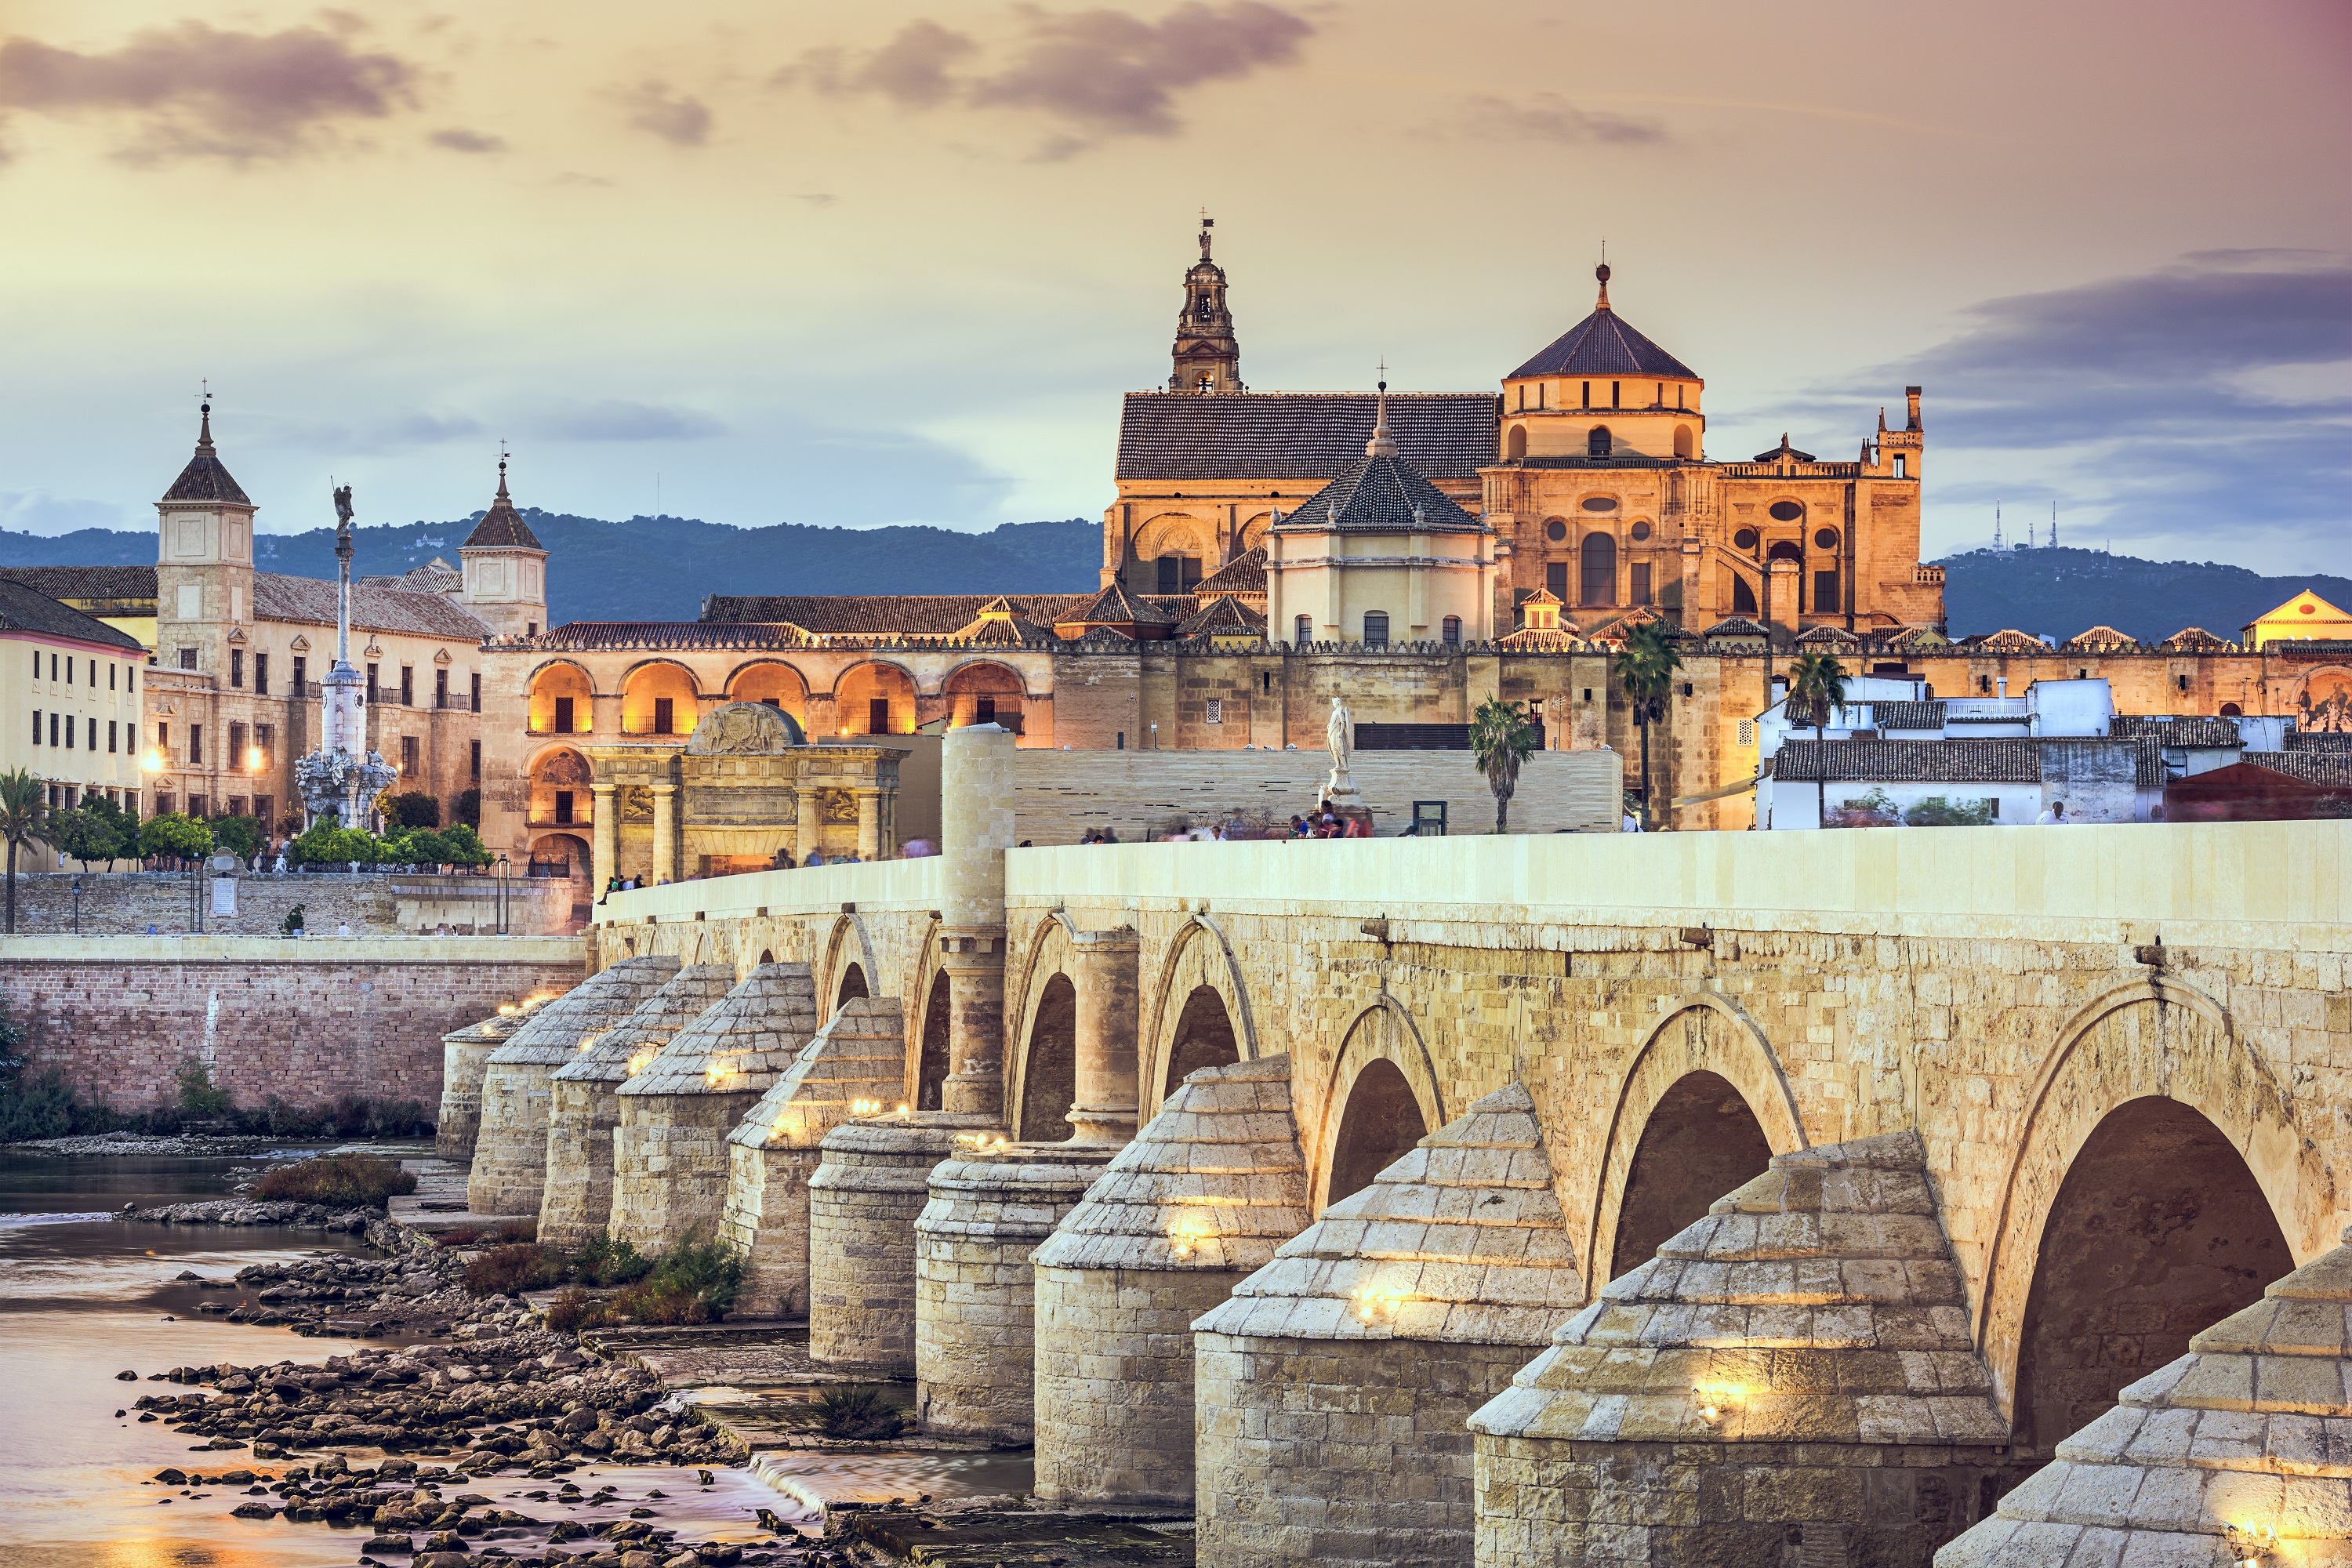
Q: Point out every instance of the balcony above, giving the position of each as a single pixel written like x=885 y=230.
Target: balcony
x=576 y=729
x=456 y=702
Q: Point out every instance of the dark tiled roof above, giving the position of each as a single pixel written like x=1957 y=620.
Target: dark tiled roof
x=1918 y=637
x=1310 y=435
x=2098 y=639
x=1379 y=495
x=1737 y=626
x=1222 y=616
x=1834 y=636
x=86 y=582
x=588 y=635
x=502 y=527
x=2318 y=740
x=205 y=479
x=1785 y=453
x=1603 y=344
x=1923 y=715
x=23 y=609
x=1245 y=573
x=2331 y=768
x=2194 y=731
x=311 y=601
x=2195 y=639
x=1910 y=761
x=1102 y=639
x=1115 y=606
x=2007 y=641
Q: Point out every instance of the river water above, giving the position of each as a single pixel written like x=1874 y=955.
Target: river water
x=83 y=1297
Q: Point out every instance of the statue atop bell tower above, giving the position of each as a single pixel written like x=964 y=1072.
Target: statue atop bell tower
x=1208 y=358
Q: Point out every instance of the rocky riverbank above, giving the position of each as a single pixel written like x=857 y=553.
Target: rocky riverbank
x=509 y=1401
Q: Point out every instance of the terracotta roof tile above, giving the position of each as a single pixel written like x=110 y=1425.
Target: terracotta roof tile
x=2330 y=767
x=1381 y=495
x=1245 y=573
x=2196 y=729
x=204 y=477
x=2099 y=639
x=2195 y=639
x=1225 y=616
x=311 y=602
x=86 y=582
x=1924 y=715
x=1910 y=761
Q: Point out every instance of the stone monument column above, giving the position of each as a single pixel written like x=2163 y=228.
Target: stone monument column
x=665 y=833
x=605 y=808
x=808 y=830
x=870 y=824
x=976 y=828
x=1107 y=963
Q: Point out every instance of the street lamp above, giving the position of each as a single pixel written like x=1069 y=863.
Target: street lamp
x=501 y=906
x=76 y=891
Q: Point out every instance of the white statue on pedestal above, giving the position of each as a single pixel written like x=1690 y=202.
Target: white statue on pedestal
x=1339 y=735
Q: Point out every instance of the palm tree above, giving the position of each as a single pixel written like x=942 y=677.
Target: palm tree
x=1501 y=736
x=1646 y=667
x=24 y=820
x=1816 y=686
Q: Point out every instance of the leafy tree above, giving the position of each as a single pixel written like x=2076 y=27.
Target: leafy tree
x=469 y=808
x=24 y=820
x=327 y=844
x=416 y=809
x=175 y=836
x=1815 y=687
x=1501 y=736
x=199 y=1095
x=461 y=846
x=416 y=846
x=85 y=836
x=1646 y=667
x=241 y=836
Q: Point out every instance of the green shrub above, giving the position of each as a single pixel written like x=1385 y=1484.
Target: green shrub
x=293 y=920
x=856 y=1411
x=573 y=1310
x=461 y=846
x=663 y=1301
x=604 y=1261
x=469 y=808
x=1937 y=812
x=199 y=1096
x=345 y=1180
x=328 y=844
x=512 y=1270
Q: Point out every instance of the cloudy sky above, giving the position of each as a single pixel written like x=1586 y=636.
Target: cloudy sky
x=835 y=264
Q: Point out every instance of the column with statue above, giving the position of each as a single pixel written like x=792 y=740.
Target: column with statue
x=341 y=779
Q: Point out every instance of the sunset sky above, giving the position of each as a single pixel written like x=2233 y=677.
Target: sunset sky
x=864 y=264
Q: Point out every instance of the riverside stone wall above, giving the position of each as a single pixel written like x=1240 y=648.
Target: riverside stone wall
x=125 y=903
x=303 y=1021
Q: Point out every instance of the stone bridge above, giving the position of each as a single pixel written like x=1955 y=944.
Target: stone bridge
x=2008 y=1116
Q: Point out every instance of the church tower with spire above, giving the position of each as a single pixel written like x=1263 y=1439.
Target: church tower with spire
x=1208 y=357
x=505 y=569
x=204 y=561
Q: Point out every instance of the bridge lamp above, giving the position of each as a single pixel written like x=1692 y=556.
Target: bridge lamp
x=1715 y=1400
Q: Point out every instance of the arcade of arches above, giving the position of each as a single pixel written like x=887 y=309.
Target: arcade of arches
x=2125 y=1140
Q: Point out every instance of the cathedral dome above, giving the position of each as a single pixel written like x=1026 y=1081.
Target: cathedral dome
x=1603 y=344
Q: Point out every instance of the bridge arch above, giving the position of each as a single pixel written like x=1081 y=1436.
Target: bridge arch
x=849 y=969
x=2156 y=1064
x=1702 y=1041
x=1043 y=1080
x=1184 y=1030
x=926 y=1025
x=1381 y=1098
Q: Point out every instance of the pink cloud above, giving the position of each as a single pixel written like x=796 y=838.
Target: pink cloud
x=192 y=90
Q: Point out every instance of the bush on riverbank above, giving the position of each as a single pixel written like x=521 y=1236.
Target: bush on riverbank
x=694 y=1282
x=347 y=1181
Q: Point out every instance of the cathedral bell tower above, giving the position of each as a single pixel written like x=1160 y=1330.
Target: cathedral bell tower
x=505 y=568
x=1208 y=359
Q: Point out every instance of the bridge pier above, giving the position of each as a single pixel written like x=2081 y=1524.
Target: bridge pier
x=669 y=1147
x=584 y=1104
x=870 y=1186
x=1794 y=1371
x=464 y=1057
x=1333 y=1387
x=860 y=1054
x=1201 y=1197
x=509 y=1173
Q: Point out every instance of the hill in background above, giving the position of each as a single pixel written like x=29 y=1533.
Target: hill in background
x=661 y=568
x=2063 y=590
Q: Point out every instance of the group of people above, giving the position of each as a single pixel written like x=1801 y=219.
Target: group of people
x=1324 y=823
